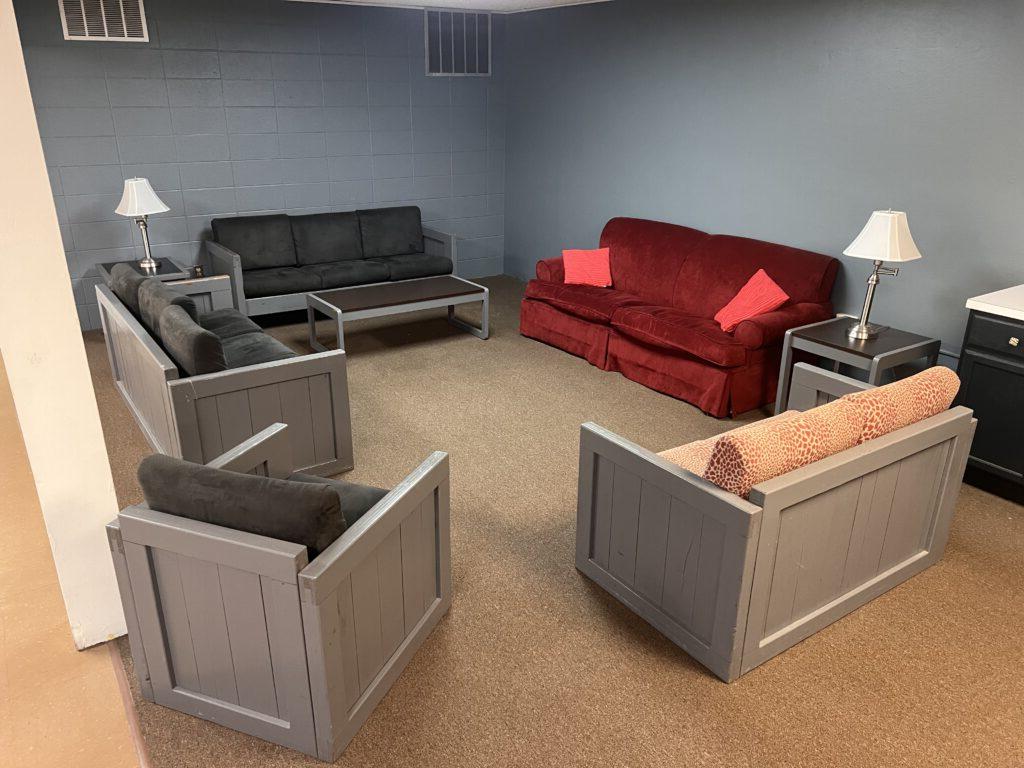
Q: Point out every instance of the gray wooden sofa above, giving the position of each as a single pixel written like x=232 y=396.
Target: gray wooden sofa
x=246 y=631
x=275 y=260
x=200 y=382
x=733 y=582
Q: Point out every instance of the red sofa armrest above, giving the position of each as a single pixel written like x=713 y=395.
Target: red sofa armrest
x=551 y=270
x=769 y=328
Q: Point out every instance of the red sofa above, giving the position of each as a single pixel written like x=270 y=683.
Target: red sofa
x=656 y=326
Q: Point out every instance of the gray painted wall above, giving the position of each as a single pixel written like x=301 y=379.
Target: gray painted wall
x=785 y=121
x=262 y=105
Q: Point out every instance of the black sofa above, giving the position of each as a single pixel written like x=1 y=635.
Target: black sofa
x=275 y=260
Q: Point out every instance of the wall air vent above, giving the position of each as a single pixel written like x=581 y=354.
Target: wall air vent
x=99 y=20
x=458 y=43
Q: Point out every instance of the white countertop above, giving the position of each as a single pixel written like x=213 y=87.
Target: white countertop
x=1008 y=302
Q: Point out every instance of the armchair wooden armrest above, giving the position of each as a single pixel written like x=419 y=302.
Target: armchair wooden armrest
x=224 y=261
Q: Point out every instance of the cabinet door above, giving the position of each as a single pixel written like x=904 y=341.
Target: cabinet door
x=994 y=388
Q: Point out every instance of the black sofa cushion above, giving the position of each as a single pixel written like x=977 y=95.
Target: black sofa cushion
x=125 y=281
x=155 y=297
x=356 y=500
x=262 y=242
x=345 y=273
x=225 y=323
x=253 y=349
x=277 y=282
x=321 y=238
x=303 y=513
x=391 y=231
x=195 y=349
x=412 y=265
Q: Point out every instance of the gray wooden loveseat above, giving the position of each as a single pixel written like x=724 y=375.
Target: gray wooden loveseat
x=269 y=636
x=198 y=383
x=735 y=581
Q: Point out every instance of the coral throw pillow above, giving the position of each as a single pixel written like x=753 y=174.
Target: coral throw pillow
x=761 y=294
x=588 y=267
x=902 y=403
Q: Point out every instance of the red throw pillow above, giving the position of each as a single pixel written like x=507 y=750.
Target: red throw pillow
x=588 y=267
x=761 y=294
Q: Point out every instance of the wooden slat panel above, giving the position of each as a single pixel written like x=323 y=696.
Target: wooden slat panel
x=603 y=482
x=347 y=643
x=682 y=555
x=264 y=406
x=625 y=515
x=877 y=511
x=322 y=423
x=250 y=648
x=288 y=653
x=175 y=619
x=201 y=583
x=428 y=540
x=913 y=499
x=786 y=569
x=392 y=608
x=366 y=613
x=712 y=547
x=235 y=420
x=829 y=522
x=209 y=428
x=295 y=412
x=412 y=567
x=652 y=539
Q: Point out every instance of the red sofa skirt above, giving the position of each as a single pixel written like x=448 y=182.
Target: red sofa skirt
x=567 y=332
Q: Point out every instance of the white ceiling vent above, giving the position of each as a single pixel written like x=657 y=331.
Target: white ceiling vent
x=111 y=20
x=458 y=43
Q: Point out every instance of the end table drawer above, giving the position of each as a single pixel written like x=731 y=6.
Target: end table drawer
x=1005 y=337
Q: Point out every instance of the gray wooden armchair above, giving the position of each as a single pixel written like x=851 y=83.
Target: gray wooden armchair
x=241 y=630
x=735 y=582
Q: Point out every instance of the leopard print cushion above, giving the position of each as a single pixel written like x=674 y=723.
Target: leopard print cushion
x=907 y=401
x=741 y=460
x=694 y=457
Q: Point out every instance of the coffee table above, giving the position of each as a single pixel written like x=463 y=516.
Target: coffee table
x=382 y=299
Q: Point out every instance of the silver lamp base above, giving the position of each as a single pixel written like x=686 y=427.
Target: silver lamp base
x=865 y=331
x=147 y=263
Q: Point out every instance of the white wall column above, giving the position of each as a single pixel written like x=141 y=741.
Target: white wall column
x=46 y=365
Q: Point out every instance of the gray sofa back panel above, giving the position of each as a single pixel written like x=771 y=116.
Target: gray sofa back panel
x=262 y=242
x=125 y=282
x=195 y=349
x=154 y=297
x=391 y=231
x=321 y=238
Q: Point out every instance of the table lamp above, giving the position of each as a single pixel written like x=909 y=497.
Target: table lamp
x=886 y=237
x=139 y=201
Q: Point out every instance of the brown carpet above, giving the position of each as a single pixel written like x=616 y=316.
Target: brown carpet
x=534 y=665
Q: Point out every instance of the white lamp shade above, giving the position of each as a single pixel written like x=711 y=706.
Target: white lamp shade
x=886 y=237
x=139 y=199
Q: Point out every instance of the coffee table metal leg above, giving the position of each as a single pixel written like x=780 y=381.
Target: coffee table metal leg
x=483 y=330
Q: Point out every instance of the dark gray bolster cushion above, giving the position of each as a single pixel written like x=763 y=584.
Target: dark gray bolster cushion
x=301 y=513
x=321 y=238
x=356 y=500
x=253 y=349
x=391 y=231
x=125 y=282
x=413 y=265
x=155 y=297
x=191 y=346
x=225 y=323
x=261 y=242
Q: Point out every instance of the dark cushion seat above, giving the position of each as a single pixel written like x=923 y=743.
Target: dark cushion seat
x=282 y=280
x=356 y=500
x=344 y=273
x=155 y=296
x=253 y=349
x=321 y=238
x=409 y=266
x=583 y=301
x=125 y=282
x=261 y=242
x=672 y=329
x=391 y=231
x=195 y=349
x=225 y=323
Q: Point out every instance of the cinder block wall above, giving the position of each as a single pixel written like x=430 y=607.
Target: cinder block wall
x=261 y=106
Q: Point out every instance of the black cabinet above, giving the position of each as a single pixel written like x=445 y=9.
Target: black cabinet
x=992 y=384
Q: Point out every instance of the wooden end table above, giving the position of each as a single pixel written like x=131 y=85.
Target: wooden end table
x=828 y=339
x=210 y=292
x=382 y=299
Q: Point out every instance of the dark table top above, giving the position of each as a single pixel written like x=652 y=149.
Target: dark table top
x=833 y=334
x=394 y=294
x=166 y=269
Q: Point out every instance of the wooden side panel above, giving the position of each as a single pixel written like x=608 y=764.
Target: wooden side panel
x=347 y=644
x=604 y=476
x=682 y=553
x=392 y=605
x=366 y=614
x=652 y=542
x=250 y=646
x=428 y=540
x=174 y=619
x=205 y=602
x=413 y=588
x=626 y=493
